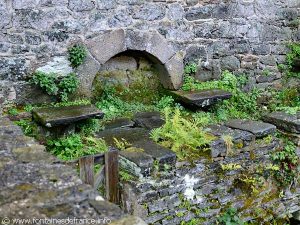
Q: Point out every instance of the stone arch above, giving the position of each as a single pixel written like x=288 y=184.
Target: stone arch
x=103 y=47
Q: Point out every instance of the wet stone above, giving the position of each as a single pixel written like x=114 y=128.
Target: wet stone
x=143 y=161
x=159 y=153
x=220 y=130
x=51 y=117
x=131 y=135
x=148 y=120
x=284 y=121
x=203 y=98
x=258 y=128
x=119 y=123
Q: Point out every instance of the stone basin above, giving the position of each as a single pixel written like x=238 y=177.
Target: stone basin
x=58 y=116
x=201 y=98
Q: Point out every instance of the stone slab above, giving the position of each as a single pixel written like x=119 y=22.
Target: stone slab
x=221 y=130
x=119 y=123
x=284 y=121
x=148 y=120
x=258 y=128
x=218 y=147
x=52 y=117
x=142 y=162
x=131 y=135
x=201 y=98
x=158 y=152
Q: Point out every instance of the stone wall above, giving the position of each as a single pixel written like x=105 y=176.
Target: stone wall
x=238 y=35
x=35 y=185
x=234 y=177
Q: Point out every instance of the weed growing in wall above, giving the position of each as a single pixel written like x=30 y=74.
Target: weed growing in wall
x=288 y=162
x=55 y=86
x=292 y=59
x=230 y=217
x=77 y=54
x=287 y=100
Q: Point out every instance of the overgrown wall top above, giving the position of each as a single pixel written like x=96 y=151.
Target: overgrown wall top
x=247 y=36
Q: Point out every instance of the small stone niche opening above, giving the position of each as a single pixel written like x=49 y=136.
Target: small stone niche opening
x=130 y=75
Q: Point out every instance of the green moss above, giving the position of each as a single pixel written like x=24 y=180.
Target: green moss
x=131 y=86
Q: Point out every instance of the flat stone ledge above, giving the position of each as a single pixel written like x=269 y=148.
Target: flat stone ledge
x=139 y=163
x=258 y=128
x=284 y=121
x=52 y=117
x=148 y=120
x=201 y=98
x=159 y=153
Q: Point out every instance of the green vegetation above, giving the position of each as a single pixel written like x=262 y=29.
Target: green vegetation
x=77 y=54
x=231 y=166
x=291 y=58
x=113 y=106
x=55 y=86
x=89 y=127
x=29 y=128
x=13 y=111
x=241 y=105
x=190 y=69
x=76 y=146
x=230 y=217
x=288 y=162
x=287 y=100
x=125 y=176
x=183 y=136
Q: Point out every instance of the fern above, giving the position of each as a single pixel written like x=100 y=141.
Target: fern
x=184 y=137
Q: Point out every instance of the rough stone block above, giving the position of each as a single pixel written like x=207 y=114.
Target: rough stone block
x=137 y=162
x=136 y=40
x=173 y=78
x=58 y=65
x=57 y=116
x=131 y=135
x=148 y=120
x=107 y=45
x=201 y=98
x=159 y=47
x=258 y=128
x=21 y=4
x=79 y=5
x=86 y=73
x=119 y=123
x=284 y=121
x=159 y=153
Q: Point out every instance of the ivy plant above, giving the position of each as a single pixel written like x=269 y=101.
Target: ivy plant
x=77 y=54
x=53 y=85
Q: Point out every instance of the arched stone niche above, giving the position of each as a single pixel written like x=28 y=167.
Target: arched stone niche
x=103 y=47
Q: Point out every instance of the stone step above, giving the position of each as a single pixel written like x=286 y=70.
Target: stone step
x=148 y=120
x=59 y=116
x=284 y=121
x=258 y=128
x=200 y=99
x=142 y=151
